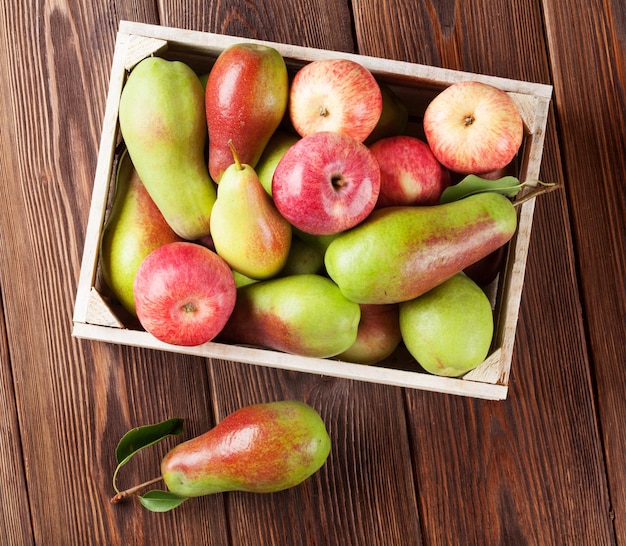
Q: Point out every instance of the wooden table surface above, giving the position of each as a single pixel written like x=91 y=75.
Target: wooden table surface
x=544 y=467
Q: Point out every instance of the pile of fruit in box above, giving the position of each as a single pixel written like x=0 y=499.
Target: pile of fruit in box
x=295 y=212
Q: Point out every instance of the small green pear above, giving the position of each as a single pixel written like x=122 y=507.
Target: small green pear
x=302 y=258
x=162 y=120
x=449 y=329
x=247 y=230
x=394 y=117
x=301 y=314
x=134 y=228
x=399 y=253
x=246 y=99
x=261 y=448
x=276 y=147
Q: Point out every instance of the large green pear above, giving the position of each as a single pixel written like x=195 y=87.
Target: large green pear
x=301 y=314
x=449 y=329
x=399 y=253
x=134 y=228
x=246 y=99
x=247 y=229
x=163 y=124
x=261 y=448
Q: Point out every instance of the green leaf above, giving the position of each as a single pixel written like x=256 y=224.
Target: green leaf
x=472 y=184
x=141 y=437
x=138 y=438
x=161 y=501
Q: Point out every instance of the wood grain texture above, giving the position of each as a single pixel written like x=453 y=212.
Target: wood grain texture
x=590 y=89
x=544 y=438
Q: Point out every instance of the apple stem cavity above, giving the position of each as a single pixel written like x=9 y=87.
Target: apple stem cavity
x=134 y=490
x=189 y=307
x=238 y=165
x=469 y=120
x=337 y=181
x=323 y=111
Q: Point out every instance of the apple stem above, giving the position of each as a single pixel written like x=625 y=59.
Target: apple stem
x=235 y=155
x=323 y=111
x=132 y=490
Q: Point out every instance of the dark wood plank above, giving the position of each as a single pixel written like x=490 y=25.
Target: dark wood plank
x=365 y=494
x=75 y=399
x=15 y=524
x=520 y=471
x=590 y=84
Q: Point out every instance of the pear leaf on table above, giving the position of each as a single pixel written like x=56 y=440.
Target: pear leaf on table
x=141 y=437
x=508 y=186
x=160 y=501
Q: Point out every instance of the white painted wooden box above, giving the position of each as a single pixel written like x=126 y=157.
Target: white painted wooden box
x=96 y=316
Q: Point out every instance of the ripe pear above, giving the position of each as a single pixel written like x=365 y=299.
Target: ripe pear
x=399 y=253
x=246 y=99
x=394 y=117
x=262 y=448
x=449 y=329
x=303 y=258
x=378 y=334
x=274 y=150
x=162 y=120
x=247 y=230
x=301 y=314
x=134 y=228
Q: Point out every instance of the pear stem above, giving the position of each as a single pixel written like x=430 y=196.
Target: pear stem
x=235 y=155
x=131 y=491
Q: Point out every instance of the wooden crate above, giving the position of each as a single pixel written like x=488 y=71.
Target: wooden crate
x=96 y=315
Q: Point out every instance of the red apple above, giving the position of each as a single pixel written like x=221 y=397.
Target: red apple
x=378 y=334
x=326 y=183
x=184 y=293
x=335 y=95
x=409 y=172
x=473 y=127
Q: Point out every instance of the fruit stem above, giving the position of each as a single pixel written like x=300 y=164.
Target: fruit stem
x=131 y=491
x=235 y=155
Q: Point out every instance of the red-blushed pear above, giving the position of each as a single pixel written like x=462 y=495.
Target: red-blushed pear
x=184 y=293
x=262 y=448
x=326 y=183
x=399 y=253
x=134 y=228
x=473 y=127
x=378 y=335
x=300 y=314
x=246 y=98
x=337 y=95
x=410 y=174
x=162 y=121
x=247 y=229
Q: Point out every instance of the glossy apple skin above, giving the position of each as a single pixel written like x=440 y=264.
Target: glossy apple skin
x=399 y=253
x=134 y=228
x=473 y=127
x=326 y=183
x=261 y=448
x=335 y=95
x=246 y=99
x=303 y=314
x=410 y=174
x=184 y=293
x=378 y=335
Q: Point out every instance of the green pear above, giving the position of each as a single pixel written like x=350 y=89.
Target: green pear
x=246 y=99
x=301 y=314
x=302 y=258
x=276 y=147
x=162 y=120
x=247 y=230
x=399 y=253
x=261 y=448
x=134 y=228
x=394 y=117
x=449 y=329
